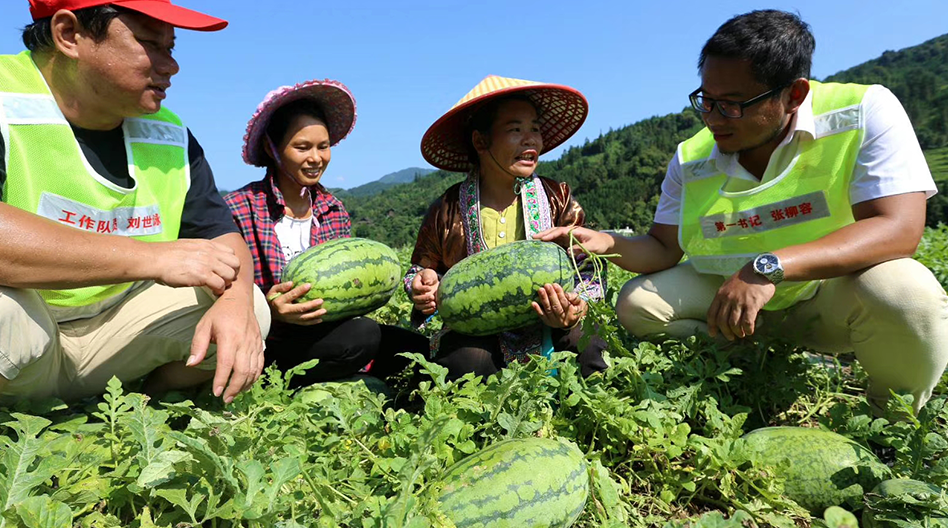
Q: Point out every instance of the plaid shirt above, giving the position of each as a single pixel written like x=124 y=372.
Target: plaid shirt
x=258 y=206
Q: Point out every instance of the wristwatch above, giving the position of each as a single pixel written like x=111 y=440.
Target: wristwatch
x=768 y=266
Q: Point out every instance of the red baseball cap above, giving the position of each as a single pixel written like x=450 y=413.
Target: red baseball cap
x=162 y=10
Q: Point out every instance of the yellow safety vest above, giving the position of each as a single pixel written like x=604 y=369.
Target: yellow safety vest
x=722 y=231
x=47 y=173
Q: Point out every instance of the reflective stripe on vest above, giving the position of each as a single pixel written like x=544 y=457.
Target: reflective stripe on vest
x=722 y=231
x=48 y=174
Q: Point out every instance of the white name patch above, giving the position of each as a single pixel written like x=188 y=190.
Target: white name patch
x=124 y=221
x=766 y=217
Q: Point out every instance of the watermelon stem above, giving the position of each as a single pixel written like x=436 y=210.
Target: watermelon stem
x=597 y=261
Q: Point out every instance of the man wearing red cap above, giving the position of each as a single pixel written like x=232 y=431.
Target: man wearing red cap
x=119 y=257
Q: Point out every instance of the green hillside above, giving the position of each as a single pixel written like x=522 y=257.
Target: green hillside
x=372 y=188
x=938 y=163
x=617 y=176
x=918 y=76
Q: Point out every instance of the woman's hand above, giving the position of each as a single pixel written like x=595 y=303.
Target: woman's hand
x=558 y=309
x=424 y=291
x=282 y=299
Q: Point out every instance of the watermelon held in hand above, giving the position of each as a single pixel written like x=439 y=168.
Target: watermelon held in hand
x=353 y=276
x=818 y=468
x=493 y=291
x=522 y=483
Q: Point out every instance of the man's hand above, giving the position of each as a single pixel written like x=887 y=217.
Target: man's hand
x=558 y=309
x=282 y=300
x=194 y=263
x=594 y=241
x=738 y=301
x=233 y=326
x=424 y=290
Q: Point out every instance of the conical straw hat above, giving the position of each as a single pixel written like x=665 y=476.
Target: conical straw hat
x=562 y=112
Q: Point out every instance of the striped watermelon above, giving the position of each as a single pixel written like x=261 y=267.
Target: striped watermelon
x=824 y=469
x=491 y=291
x=353 y=276
x=903 y=502
x=523 y=483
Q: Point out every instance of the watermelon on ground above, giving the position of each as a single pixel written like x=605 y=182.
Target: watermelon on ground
x=522 y=483
x=492 y=291
x=897 y=503
x=353 y=276
x=818 y=468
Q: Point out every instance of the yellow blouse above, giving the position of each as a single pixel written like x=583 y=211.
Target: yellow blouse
x=499 y=228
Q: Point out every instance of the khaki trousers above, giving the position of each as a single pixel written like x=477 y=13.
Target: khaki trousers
x=151 y=327
x=894 y=316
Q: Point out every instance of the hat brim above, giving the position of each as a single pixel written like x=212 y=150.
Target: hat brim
x=335 y=100
x=177 y=16
x=562 y=110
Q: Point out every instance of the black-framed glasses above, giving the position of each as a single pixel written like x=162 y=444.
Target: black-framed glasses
x=730 y=109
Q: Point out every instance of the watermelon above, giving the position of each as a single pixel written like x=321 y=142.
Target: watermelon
x=492 y=291
x=904 y=502
x=353 y=276
x=823 y=468
x=522 y=483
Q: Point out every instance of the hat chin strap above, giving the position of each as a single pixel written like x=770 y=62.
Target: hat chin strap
x=279 y=163
x=518 y=180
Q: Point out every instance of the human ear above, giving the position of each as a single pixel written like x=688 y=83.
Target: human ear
x=480 y=141
x=66 y=33
x=797 y=94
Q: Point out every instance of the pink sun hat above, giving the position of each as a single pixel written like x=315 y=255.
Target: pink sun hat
x=335 y=100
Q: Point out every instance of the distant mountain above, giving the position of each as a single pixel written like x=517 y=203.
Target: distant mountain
x=370 y=189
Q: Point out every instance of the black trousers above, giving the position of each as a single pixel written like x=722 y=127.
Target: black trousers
x=482 y=354
x=342 y=348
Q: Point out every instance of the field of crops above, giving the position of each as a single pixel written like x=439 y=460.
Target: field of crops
x=658 y=429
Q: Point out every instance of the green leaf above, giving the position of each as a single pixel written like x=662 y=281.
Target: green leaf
x=837 y=517
x=161 y=469
x=220 y=468
x=43 y=512
x=19 y=477
x=284 y=470
x=607 y=493
x=254 y=472
x=148 y=429
x=146 y=521
x=178 y=497
x=98 y=520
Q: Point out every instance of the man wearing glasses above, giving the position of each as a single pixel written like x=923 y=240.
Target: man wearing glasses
x=798 y=207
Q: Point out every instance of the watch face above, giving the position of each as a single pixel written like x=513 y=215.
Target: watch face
x=764 y=264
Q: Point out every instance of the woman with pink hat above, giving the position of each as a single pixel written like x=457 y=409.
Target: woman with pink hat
x=496 y=134
x=291 y=135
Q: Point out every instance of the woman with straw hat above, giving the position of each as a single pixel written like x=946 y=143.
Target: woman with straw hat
x=496 y=134
x=291 y=135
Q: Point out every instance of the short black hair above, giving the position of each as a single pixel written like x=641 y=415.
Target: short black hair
x=483 y=119
x=778 y=44
x=38 y=36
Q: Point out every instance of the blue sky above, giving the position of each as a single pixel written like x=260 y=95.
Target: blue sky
x=408 y=62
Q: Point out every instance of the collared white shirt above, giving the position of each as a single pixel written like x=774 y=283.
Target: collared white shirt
x=890 y=160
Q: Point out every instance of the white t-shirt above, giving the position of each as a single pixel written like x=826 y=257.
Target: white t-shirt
x=294 y=234
x=889 y=162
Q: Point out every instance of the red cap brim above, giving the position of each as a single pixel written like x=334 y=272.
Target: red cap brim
x=177 y=16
